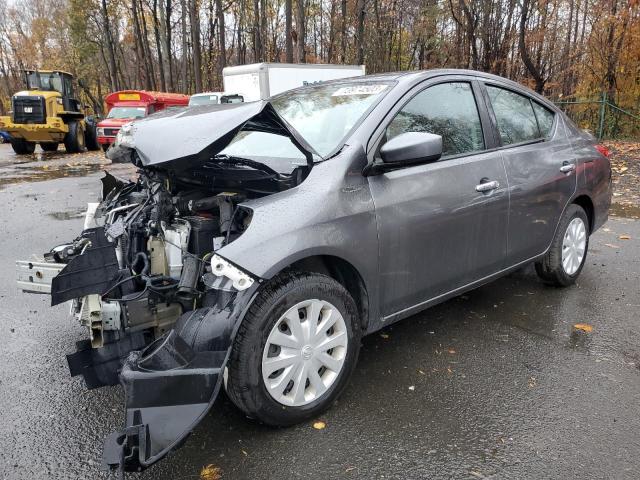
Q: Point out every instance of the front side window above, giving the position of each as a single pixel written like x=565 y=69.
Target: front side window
x=446 y=109
x=515 y=119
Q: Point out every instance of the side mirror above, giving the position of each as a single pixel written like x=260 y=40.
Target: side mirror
x=412 y=147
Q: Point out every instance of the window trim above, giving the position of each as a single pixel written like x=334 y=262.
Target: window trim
x=555 y=115
x=500 y=146
x=485 y=123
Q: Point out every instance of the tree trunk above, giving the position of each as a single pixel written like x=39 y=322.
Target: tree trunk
x=222 y=57
x=263 y=30
x=300 y=28
x=531 y=68
x=156 y=31
x=257 y=37
x=288 y=41
x=185 y=47
x=343 y=33
x=194 y=20
x=111 y=54
x=165 y=15
x=360 y=12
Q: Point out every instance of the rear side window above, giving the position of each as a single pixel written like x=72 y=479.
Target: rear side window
x=545 y=119
x=515 y=118
x=446 y=109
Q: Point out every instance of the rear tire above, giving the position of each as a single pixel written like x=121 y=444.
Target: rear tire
x=572 y=237
x=91 y=136
x=246 y=384
x=49 y=146
x=22 y=147
x=74 y=139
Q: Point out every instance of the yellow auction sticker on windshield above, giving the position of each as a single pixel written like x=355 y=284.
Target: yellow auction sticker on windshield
x=359 y=90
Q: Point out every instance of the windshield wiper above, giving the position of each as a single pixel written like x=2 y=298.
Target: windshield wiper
x=245 y=162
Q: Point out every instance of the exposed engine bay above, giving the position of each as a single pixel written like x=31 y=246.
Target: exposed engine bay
x=147 y=255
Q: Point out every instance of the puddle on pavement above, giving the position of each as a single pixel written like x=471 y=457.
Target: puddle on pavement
x=45 y=172
x=625 y=211
x=69 y=214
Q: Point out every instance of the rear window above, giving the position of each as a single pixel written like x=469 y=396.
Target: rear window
x=545 y=119
x=515 y=118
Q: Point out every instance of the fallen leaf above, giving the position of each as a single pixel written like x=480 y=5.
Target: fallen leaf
x=611 y=245
x=532 y=382
x=244 y=452
x=451 y=351
x=319 y=425
x=585 y=327
x=624 y=237
x=606 y=229
x=210 y=472
x=384 y=335
x=412 y=387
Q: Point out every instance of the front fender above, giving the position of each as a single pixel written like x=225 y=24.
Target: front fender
x=171 y=385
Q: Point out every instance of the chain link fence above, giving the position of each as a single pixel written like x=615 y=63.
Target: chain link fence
x=604 y=119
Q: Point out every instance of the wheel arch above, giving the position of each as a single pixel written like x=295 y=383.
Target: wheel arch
x=586 y=203
x=341 y=271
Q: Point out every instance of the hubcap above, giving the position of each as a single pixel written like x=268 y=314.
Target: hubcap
x=304 y=353
x=573 y=246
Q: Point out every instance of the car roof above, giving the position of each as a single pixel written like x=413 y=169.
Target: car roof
x=415 y=76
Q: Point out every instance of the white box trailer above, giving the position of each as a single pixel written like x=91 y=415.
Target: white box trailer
x=259 y=81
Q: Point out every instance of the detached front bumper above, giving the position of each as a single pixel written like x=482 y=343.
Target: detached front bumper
x=168 y=388
x=171 y=385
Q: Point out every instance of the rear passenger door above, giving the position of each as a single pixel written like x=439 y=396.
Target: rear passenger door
x=540 y=168
x=442 y=225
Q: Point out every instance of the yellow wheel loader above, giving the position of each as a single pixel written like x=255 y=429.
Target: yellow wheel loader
x=47 y=113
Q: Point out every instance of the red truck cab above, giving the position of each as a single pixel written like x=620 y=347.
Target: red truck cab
x=128 y=105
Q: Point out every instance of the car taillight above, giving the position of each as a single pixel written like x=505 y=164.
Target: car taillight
x=603 y=150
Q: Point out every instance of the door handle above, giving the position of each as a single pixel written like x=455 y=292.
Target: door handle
x=567 y=167
x=487 y=186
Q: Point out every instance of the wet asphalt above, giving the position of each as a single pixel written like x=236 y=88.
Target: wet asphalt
x=496 y=383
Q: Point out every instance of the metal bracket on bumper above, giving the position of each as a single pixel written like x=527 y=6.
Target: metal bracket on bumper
x=36 y=276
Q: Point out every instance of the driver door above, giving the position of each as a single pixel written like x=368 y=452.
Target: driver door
x=437 y=231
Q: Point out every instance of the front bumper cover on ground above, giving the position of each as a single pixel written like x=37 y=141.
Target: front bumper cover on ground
x=171 y=385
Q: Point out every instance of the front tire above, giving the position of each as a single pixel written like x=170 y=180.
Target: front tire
x=22 y=147
x=286 y=325
x=74 y=139
x=49 y=146
x=563 y=263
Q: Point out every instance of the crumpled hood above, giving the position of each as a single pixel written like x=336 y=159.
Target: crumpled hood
x=181 y=138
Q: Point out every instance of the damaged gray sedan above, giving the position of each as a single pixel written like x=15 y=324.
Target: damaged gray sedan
x=262 y=240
